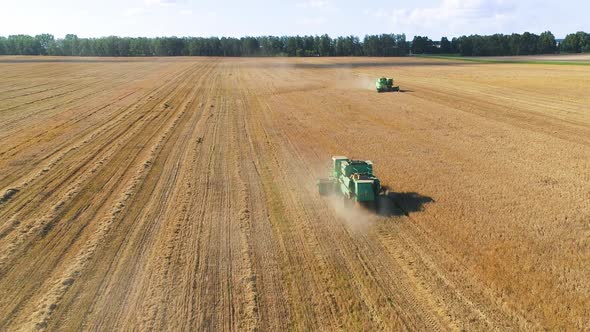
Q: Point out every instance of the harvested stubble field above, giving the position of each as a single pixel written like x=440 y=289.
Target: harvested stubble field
x=178 y=194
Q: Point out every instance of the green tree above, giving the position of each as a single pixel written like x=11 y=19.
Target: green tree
x=422 y=45
x=70 y=45
x=445 y=45
x=44 y=41
x=325 y=46
x=250 y=46
x=3 y=45
x=546 y=43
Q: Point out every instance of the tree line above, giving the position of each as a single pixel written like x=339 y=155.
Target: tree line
x=371 y=45
x=492 y=45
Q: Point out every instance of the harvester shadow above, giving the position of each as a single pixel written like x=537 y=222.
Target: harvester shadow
x=406 y=91
x=401 y=204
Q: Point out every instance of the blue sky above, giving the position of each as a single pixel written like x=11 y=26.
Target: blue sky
x=150 y=18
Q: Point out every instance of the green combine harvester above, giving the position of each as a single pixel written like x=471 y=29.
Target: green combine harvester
x=385 y=84
x=353 y=180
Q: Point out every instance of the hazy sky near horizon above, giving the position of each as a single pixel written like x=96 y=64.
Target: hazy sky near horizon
x=150 y=18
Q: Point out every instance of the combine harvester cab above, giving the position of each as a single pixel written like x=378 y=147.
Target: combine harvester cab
x=353 y=180
x=385 y=84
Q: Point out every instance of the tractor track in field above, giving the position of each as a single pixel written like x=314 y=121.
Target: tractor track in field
x=180 y=195
x=82 y=137
x=160 y=151
x=42 y=225
x=531 y=120
x=88 y=86
x=29 y=87
x=36 y=92
x=58 y=106
x=90 y=158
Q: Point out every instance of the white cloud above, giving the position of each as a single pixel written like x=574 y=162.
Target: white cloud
x=81 y=12
x=313 y=4
x=377 y=13
x=186 y=12
x=452 y=17
x=135 y=11
x=311 y=21
x=148 y=7
x=160 y=2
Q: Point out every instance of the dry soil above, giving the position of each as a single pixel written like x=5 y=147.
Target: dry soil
x=179 y=194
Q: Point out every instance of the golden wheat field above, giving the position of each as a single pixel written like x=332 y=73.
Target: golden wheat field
x=179 y=194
